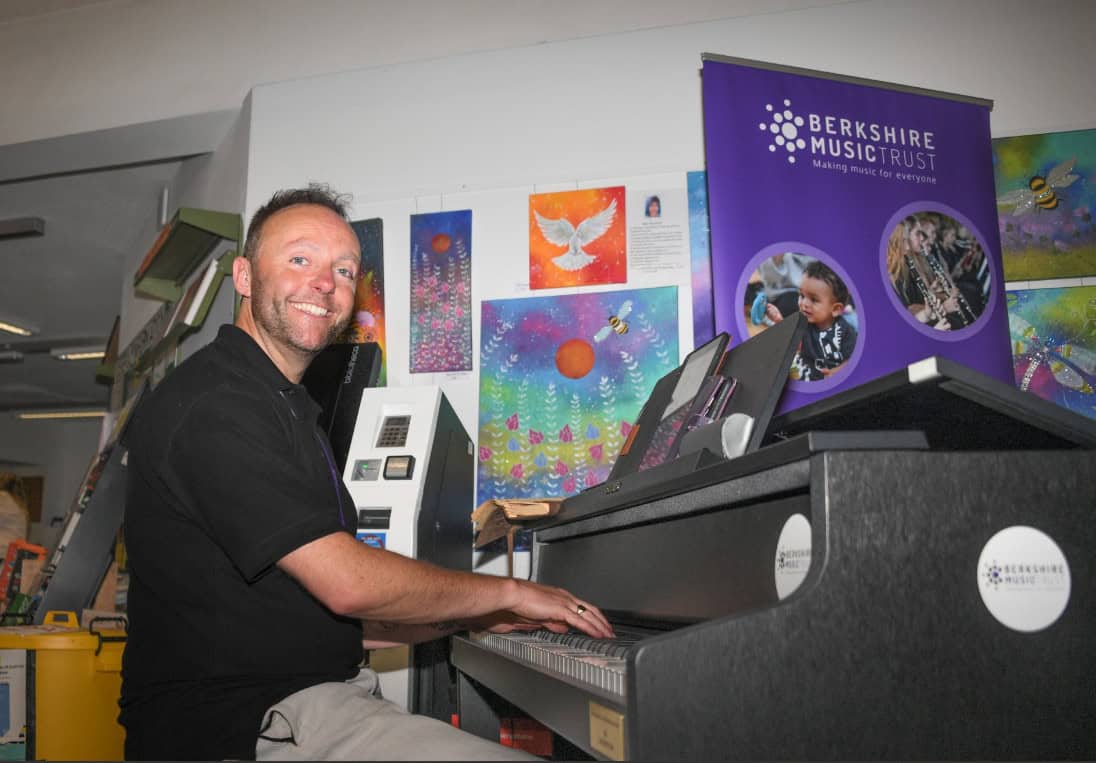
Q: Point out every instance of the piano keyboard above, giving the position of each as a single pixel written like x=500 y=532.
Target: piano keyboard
x=600 y=663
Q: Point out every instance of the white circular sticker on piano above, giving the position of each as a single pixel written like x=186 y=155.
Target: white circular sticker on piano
x=793 y=555
x=1023 y=578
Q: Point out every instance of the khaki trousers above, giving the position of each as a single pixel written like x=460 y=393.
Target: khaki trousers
x=351 y=721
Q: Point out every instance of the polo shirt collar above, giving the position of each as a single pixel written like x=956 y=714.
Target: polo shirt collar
x=258 y=365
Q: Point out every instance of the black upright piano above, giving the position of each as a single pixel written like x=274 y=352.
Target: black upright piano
x=901 y=571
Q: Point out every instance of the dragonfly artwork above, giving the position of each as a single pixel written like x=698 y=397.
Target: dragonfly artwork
x=1053 y=335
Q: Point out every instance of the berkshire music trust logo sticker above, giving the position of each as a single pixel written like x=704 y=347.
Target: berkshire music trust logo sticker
x=1023 y=578
x=793 y=555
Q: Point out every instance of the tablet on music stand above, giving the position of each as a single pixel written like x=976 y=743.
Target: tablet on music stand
x=662 y=416
x=691 y=406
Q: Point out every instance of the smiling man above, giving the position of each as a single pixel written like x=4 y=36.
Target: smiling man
x=250 y=601
x=297 y=299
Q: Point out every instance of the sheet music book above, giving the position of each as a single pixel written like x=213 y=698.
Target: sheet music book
x=208 y=285
x=191 y=309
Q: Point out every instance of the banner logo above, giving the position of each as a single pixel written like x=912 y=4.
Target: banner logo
x=848 y=145
x=784 y=130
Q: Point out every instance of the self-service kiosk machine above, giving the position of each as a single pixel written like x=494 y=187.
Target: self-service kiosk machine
x=411 y=471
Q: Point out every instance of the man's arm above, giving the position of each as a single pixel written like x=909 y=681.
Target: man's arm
x=355 y=580
x=381 y=634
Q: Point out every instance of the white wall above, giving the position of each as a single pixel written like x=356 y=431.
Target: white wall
x=124 y=62
x=119 y=63
x=631 y=102
x=434 y=134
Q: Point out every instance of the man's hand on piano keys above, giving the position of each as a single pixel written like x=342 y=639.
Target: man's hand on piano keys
x=538 y=606
x=380 y=586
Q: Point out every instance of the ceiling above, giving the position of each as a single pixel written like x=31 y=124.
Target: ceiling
x=68 y=283
x=14 y=10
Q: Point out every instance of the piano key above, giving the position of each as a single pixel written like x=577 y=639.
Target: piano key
x=600 y=663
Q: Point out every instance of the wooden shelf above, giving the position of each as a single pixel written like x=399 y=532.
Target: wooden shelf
x=181 y=246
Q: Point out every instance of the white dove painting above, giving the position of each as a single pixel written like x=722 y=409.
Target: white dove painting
x=561 y=233
x=577 y=238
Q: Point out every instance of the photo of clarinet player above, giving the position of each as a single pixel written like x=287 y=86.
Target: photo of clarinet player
x=917 y=287
x=251 y=603
x=924 y=278
x=966 y=261
x=830 y=337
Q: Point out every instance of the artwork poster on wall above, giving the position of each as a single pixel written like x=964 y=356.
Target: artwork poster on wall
x=1045 y=197
x=658 y=233
x=577 y=238
x=367 y=322
x=562 y=378
x=866 y=206
x=441 y=292
x=1054 y=345
x=700 y=258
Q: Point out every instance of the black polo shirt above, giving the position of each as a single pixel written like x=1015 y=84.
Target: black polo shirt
x=227 y=473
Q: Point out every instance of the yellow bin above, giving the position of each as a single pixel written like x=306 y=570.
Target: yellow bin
x=59 y=686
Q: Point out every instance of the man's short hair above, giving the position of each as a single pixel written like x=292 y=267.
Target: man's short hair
x=319 y=194
x=821 y=271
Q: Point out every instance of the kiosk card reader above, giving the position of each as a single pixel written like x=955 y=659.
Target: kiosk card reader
x=410 y=469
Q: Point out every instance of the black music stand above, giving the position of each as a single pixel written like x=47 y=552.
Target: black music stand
x=654 y=430
x=760 y=366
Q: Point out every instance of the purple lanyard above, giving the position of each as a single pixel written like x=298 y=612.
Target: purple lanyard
x=334 y=475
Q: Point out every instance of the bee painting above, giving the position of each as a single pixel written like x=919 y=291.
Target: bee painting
x=1040 y=191
x=616 y=322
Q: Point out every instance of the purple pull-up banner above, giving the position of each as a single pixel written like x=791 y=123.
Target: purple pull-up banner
x=869 y=207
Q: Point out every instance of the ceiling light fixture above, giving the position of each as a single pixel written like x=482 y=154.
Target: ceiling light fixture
x=40 y=415
x=77 y=353
x=20 y=329
x=22 y=227
x=11 y=356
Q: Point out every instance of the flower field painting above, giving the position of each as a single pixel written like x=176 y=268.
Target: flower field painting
x=562 y=379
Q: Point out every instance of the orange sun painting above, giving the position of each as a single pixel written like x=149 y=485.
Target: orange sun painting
x=577 y=238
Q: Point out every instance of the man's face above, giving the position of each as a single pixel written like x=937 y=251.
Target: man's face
x=303 y=279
